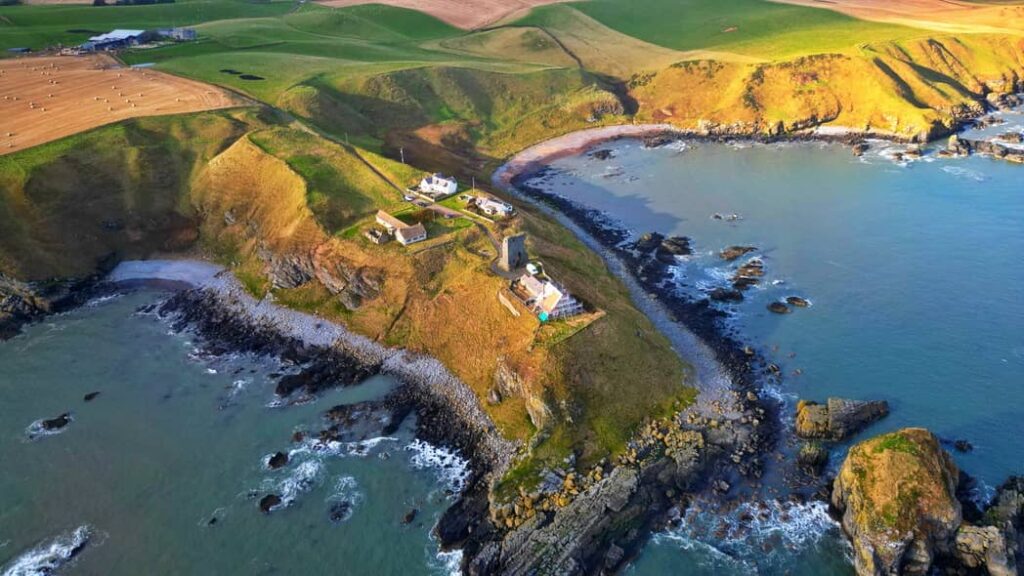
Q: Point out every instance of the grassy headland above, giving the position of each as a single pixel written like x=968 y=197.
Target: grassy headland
x=257 y=191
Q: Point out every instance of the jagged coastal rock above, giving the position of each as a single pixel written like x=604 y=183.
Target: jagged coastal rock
x=902 y=505
x=733 y=252
x=896 y=495
x=838 y=418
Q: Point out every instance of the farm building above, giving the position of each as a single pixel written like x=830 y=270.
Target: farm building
x=388 y=221
x=114 y=40
x=411 y=234
x=437 y=185
x=548 y=300
x=405 y=233
x=178 y=34
x=493 y=207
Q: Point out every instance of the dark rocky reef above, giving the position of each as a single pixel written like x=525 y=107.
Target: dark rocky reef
x=23 y=303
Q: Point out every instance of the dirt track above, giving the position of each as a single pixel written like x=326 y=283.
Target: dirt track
x=942 y=15
x=466 y=14
x=51 y=97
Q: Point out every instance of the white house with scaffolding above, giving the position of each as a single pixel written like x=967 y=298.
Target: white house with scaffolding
x=546 y=299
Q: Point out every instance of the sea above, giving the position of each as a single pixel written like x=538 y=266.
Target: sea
x=162 y=471
x=916 y=291
x=912 y=269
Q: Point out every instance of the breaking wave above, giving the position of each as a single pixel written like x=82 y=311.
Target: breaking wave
x=346 y=490
x=754 y=537
x=50 y=555
x=302 y=478
x=452 y=469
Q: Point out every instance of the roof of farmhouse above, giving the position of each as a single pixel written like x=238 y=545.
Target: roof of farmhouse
x=410 y=232
x=390 y=220
x=118 y=34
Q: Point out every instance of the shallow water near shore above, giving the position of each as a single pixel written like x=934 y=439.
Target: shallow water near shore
x=912 y=274
x=176 y=439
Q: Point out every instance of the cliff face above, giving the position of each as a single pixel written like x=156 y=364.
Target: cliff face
x=914 y=89
x=896 y=493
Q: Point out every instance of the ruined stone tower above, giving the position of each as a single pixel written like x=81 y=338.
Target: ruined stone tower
x=513 y=253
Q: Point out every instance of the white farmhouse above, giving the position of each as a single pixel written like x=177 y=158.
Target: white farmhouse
x=411 y=234
x=548 y=300
x=438 y=185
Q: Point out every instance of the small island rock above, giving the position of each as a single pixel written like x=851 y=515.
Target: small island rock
x=779 y=308
x=838 y=418
x=269 y=502
x=733 y=252
x=277 y=460
x=57 y=423
x=798 y=302
x=895 y=493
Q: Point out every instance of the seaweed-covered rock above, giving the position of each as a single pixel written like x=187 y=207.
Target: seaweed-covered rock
x=813 y=457
x=896 y=495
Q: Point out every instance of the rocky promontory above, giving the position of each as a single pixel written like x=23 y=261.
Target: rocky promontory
x=897 y=497
x=901 y=504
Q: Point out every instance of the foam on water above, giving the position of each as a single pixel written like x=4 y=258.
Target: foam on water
x=452 y=469
x=302 y=478
x=100 y=300
x=449 y=563
x=751 y=536
x=346 y=489
x=50 y=555
x=965 y=173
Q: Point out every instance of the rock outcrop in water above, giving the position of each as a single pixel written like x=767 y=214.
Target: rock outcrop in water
x=837 y=418
x=54 y=424
x=733 y=252
x=902 y=505
x=896 y=495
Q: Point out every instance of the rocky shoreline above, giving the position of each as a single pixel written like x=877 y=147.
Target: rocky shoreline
x=716 y=447
x=325 y=355
x=645 y=263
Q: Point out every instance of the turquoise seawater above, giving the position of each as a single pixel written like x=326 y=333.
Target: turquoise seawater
x=174 y=440
x=914 y=273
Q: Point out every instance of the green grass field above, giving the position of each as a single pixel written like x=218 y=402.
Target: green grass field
x=749 y=27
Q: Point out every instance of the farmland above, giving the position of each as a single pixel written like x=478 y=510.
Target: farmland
x=45 y=99
x=477 y=14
